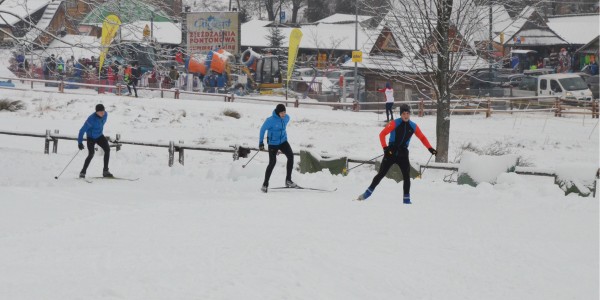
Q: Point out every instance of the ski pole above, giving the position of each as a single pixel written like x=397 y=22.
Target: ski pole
x=56 y=177
x=251 y=159
x=345 y=171
x=427 y=164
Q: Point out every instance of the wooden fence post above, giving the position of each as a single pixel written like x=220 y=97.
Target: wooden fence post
x=355 y=106
x=55 y=142
x=421 y=107
x=180 y=150
x=488 y=113
x=47 y=142
x=558 y=109
x=176 y=93
x=61 y=86
x=296 y=103
x=171 y=153
x=594 y=109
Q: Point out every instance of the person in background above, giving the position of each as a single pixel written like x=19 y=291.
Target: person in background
x=396 y=152
x=389 y=101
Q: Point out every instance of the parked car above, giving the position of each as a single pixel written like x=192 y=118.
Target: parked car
x=566 y=86
x=335 y=75
x=510 y=80
x=349 y=87
x=592 y=83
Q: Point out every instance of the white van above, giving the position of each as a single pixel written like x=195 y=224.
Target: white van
x=566 y=86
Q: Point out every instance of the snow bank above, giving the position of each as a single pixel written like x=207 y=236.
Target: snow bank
x=475 y=169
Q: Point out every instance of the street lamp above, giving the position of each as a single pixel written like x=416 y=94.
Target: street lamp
x=356 y=49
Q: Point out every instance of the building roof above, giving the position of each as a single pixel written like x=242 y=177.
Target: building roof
x=576 y=29
x=128 y=11
x=343 y=18
x=395 y=64
x=20 y=8
x=315 y=36
x=529 y=29
x=516 y=25
x=592 y=47
x=80 y=46
x=42 y=25
x=163 y=32
x=500 y=20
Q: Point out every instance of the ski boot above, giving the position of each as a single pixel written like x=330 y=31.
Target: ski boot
x=365 y=195
x=290 y=184
x=82 y=175
x=264 y=188
x=106 y=173
x=406 y=199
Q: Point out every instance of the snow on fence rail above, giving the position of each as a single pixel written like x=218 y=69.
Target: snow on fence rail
x=237 y=150
x=465 y=106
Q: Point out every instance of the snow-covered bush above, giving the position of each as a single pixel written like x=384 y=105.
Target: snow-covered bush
x=577 y=178
x=475 y=169
x=9 y=105
x=231 y=113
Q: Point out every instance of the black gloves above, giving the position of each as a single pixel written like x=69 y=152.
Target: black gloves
x=261 y=147
x=388 y=151
x=80 y=146
x=432 y=151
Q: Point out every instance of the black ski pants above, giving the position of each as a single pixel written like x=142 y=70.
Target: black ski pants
x=285 y=149
x=389 y=111
x=400 y=158
x=133 y=83
x=103 y=143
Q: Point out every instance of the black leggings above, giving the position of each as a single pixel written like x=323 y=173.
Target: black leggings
x=103 y=143
x=389 y=111
x=402 y=160
x=287 y=150
x=133 y=83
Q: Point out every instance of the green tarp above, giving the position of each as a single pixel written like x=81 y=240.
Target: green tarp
x=311 y=164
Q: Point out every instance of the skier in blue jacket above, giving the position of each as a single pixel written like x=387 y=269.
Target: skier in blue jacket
x=92 y=128
x=277 y=141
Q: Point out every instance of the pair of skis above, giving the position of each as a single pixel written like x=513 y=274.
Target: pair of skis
x=302 y=188
x=91 y=179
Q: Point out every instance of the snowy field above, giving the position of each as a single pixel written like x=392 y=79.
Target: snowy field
x=205 y=231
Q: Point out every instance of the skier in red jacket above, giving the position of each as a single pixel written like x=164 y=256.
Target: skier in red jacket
x=396 y=152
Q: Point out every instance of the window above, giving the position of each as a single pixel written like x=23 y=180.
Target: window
x=543 y=84
x=554 y=86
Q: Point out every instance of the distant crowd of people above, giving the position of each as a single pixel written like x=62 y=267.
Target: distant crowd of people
x=561 y=61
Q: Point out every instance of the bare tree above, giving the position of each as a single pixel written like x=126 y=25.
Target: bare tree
x=296 y=6
x=437 y=45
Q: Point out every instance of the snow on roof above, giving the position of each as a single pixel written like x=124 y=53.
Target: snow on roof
x=500 y=20
x=537 y=37
x=44 y=22
x=392 y=63
x=516 y=25
x=163 y=32
x=410 y=23
x=22 y=8
x=343 y=18
x=80 y=46
x=315 y=36
x=576 y=29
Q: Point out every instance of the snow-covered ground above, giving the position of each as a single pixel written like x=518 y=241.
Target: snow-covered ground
x=205 y=231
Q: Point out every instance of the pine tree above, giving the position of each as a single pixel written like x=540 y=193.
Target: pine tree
x=275 y=37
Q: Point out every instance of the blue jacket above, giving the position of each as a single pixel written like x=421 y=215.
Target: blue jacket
x=276 y=127
x=92 y=127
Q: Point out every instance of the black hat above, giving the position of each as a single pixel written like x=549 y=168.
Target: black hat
x=404 y=107
x=99 y=107
x=279 y=108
